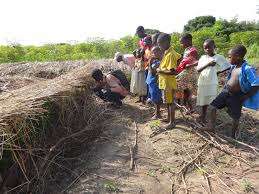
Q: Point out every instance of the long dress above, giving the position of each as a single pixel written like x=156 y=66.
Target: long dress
x=138 y=84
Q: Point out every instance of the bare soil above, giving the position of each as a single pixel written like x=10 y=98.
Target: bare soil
x=160 y=155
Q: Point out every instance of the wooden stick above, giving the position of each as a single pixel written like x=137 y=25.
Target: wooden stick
x=133 y=149
x=185 y=167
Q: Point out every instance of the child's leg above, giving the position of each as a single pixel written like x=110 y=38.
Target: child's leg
x=204 y=113
x=171 y=110
x=212 y=120
x=235 y=128
x=157 y=114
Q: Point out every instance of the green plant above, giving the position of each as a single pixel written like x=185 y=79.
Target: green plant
x=246 y=185
x=111 y=186
x=155 y=124
x=151 y=173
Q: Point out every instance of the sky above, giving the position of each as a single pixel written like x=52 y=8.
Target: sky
x=36 y=22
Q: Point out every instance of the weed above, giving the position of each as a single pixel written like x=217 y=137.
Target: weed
x=246 y=185
x=111 y=186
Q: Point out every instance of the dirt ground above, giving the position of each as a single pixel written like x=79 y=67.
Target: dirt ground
x=160 y=156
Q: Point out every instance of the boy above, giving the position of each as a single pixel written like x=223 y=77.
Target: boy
x=242 y=83
x=109 y=88
x=155 y=92
x=166 y=78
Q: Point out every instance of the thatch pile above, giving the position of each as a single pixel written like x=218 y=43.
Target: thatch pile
x=43 y=121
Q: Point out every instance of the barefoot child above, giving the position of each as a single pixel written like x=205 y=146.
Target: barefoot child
x=138 y=79
x=187 y=74
x=209 y=66
x=166 y=75
x=242 y=84
x=155 y=92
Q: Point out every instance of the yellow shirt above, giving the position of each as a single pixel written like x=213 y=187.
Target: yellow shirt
x=168 y=62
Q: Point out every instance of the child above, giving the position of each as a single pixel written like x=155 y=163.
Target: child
x=155 y=93
x=127 y=59
x=138 y=80
x=242 y=84
x=187 y=74
x=166 y=78
x=209 y=66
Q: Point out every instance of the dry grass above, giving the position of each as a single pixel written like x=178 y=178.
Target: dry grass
x=45 y=119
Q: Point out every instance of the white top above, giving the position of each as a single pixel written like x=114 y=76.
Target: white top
x=209 y=75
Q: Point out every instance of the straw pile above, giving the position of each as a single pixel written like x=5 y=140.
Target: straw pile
x=43 y=120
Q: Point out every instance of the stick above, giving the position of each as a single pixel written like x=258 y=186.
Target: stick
x=133 y=149
x=231 y=140
x=184 y=168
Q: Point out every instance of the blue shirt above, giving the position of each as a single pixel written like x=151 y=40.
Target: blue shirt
x=248 y=79
x=150 y=77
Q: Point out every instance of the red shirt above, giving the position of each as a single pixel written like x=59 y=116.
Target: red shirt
x=190 y=58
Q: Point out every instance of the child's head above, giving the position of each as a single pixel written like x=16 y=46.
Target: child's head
x=139 y=53
x=164 y=41
x=186 y=40
x=156 y=52
x=148 y=41
x=118 y=57
x=154 y=38
x=209 y=47
x=97 y=74
x=140 y=31
x=236 y=55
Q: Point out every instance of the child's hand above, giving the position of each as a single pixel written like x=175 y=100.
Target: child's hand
x=212 y=63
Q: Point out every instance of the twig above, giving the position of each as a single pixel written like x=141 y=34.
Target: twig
x=185 y=167
x=208 y=182
x=133 y=149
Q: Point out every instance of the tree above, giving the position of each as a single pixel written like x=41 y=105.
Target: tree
x=151 y=31
x=199 y=22
x=225 y=28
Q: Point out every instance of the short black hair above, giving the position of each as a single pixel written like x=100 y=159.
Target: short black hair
x=155 y=37
x=164 y=37
x=187 y=36
x=210 y=41
x=239 y=50
x=97 y=74
x=140 y=28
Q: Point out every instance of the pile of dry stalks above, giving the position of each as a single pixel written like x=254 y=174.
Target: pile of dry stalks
x=43 y=122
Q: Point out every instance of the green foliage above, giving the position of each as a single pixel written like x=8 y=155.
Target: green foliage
x=151 y=31
x=247 y=186
x=111 y=187
x=225 y=33
x=199 y=22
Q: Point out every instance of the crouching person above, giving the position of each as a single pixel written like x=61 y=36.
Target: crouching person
x=111 y=87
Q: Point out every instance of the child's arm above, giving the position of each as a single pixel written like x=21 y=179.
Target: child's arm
x=200 y=69
x=250 y=93
x=167 y=72
x=219 y=72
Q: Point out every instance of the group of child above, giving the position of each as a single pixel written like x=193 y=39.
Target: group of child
x=163 y=75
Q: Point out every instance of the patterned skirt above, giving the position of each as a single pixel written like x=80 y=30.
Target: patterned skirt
x=187 y=79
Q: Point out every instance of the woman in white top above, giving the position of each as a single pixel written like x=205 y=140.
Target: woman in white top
x=209 y=66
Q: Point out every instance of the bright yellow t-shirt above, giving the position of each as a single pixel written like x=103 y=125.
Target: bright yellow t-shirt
x=168 y=62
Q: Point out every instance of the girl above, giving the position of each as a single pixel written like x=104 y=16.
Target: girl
x=209 y=66
x=187 y=74
x=138 y=85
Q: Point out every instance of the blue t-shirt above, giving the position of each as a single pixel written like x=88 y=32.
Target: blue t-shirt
x=150 y=77
x=247 y=80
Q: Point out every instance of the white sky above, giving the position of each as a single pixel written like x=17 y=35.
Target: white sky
x=52 y=21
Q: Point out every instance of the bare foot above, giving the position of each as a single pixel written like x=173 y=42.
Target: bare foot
x=165 y=120
x=170 y=126
x=155 y=117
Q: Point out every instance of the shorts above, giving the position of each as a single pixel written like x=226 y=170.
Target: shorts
x=230 y=100
x=168 y=96
x=155 y=92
